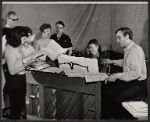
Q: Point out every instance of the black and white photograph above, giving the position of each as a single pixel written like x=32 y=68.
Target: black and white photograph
x=74 y=60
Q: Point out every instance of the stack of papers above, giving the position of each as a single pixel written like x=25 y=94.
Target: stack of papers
x=74 y=73
x=54 y=70
x=34 y=56
x=39 y=66
x=53 y=49
x=36 y=64
x=136 y=108
x=92 y=77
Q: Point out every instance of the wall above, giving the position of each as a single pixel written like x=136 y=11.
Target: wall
x=135 y=17
x=86 y=21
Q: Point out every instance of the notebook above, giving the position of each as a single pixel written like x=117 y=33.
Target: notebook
x=136 y=108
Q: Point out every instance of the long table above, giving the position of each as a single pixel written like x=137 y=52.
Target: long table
x=56 y=96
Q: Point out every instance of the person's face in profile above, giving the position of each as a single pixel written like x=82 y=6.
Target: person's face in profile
x=46 y=33
x=59 y=29
x=93 y=49
x=11 y=20
x=121 y=39
x=25 y=41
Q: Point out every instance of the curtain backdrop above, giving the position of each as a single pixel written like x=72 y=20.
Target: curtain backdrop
x=86 y=21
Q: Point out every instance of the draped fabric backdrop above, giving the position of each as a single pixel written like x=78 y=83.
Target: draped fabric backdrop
x=86 y=21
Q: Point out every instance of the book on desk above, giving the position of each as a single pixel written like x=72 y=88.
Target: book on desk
x=136 y=108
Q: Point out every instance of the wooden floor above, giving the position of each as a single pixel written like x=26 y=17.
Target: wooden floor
x=29 y=117
x=33 y=117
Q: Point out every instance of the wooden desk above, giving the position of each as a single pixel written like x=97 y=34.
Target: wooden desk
x=62 y=97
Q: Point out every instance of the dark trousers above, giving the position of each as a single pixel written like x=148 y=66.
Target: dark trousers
x=114 y=93
x=16 y=91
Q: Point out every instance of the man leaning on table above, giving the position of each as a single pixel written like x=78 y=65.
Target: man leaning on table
x=128 y=84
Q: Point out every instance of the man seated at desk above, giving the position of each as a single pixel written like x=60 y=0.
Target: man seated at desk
x=131 y=82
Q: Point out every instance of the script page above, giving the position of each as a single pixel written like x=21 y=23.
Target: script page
x=53 y=49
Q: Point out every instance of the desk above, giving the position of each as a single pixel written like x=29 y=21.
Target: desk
x=62 y=97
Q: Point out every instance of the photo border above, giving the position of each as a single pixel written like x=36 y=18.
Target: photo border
x=86 y=1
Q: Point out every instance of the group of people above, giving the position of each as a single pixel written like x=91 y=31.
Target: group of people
x=17 y=47
x=121 y=86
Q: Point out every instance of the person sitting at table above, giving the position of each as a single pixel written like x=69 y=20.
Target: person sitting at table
x=17 y=49
x=61 y=38
x=130 y=83
x=93 y=50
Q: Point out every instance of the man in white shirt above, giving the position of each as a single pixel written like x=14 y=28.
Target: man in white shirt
x=131 y=82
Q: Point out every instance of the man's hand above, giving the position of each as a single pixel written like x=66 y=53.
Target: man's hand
x=112 y=78
x=107 y=61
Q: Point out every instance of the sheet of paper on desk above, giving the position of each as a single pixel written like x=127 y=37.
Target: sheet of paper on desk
x=47 y=68
x=78 y=63
x=52 y=70
x=92 y=65
x=66 y=62
x=94 y=77
x=53 y=49
x=74 y=73
x=136 y=108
